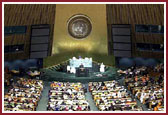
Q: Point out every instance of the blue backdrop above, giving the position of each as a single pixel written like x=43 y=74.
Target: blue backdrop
x=138 y=61
x=25 y=64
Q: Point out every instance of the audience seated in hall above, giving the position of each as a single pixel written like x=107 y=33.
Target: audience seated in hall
x=24 y=95
x=147 y=86
x=109 y=96
x=65 y=96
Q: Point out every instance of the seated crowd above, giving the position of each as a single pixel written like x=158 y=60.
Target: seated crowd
x=147 y=85
x=65 y=96
x=24 y=95
x=109 y=96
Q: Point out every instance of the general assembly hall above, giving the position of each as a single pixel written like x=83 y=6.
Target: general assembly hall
x=83 y=57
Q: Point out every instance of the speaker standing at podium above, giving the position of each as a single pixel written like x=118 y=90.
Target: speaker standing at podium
x=81 y=67
x=81 y=71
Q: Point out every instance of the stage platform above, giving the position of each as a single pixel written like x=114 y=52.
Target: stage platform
x=109 y=74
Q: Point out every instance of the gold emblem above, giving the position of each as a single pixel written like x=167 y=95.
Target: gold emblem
x=79 y=26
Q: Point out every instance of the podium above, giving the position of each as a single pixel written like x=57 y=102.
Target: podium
x=82 y=72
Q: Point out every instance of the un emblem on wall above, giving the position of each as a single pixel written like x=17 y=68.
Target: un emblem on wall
x=79 y=26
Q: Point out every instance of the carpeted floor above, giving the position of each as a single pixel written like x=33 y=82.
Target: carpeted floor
x=42 y=105
x=90 y=100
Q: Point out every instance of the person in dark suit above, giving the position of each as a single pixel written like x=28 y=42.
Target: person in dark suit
x=81 y=67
